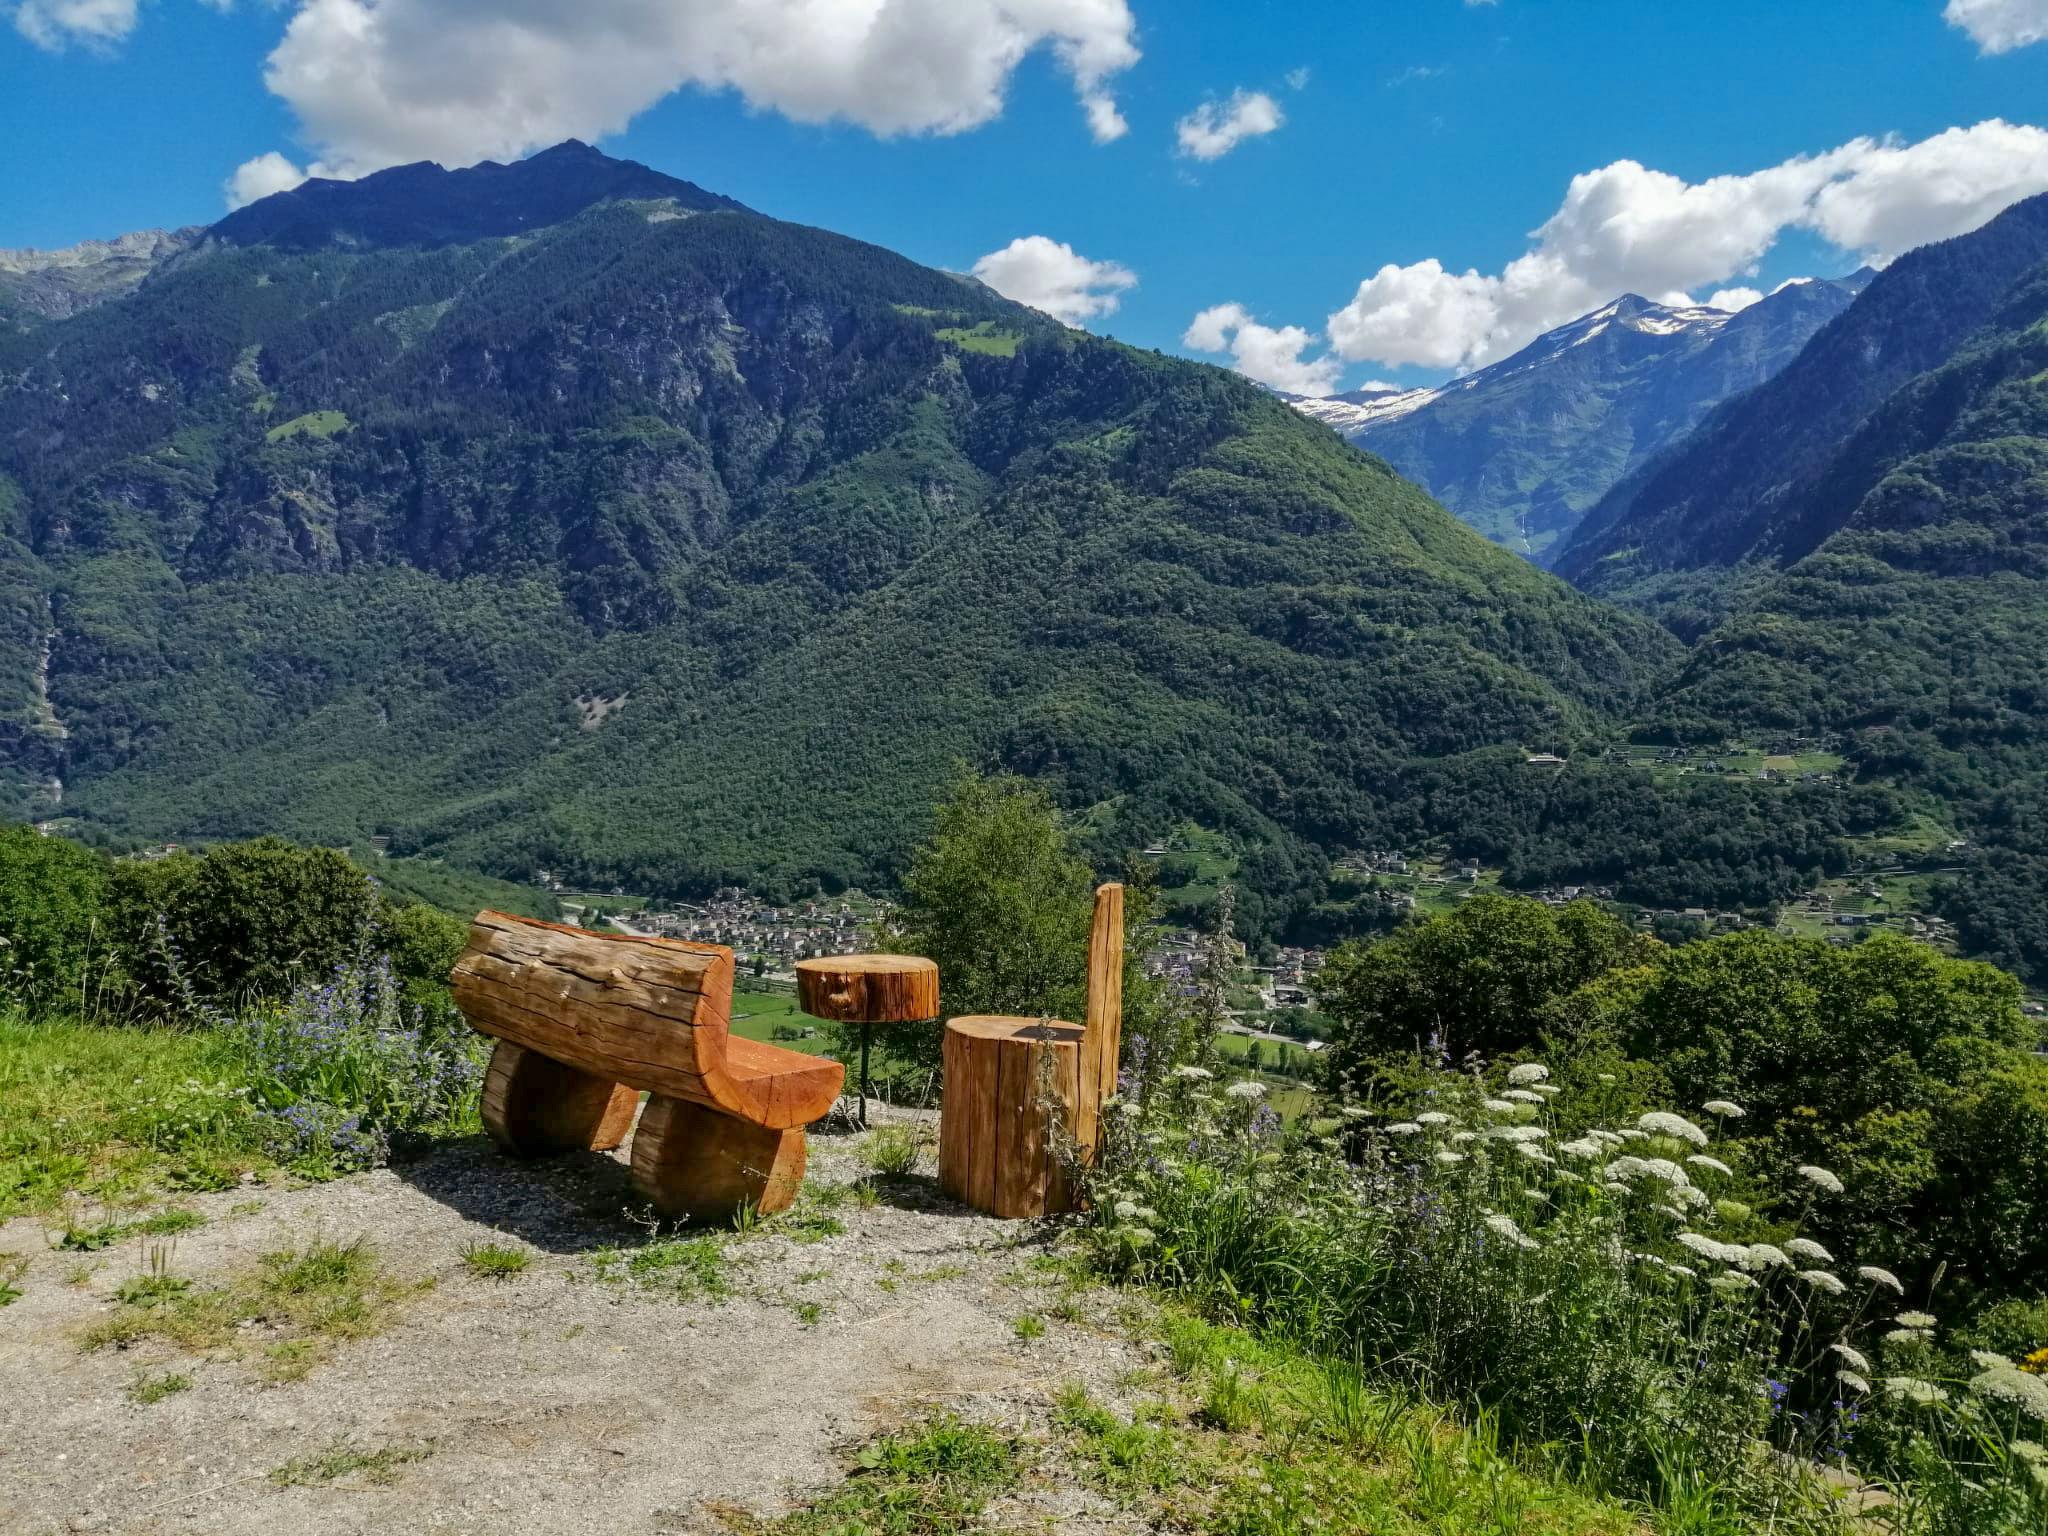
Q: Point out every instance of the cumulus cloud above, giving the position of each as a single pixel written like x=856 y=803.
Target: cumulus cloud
x=380 y=82
x=1052 y=276
x=54 y=24
x=1270 y=354
x=1215 y=128
x=1628 y=228
x=1732 y=299
x=267 y=173
x=1999 y=26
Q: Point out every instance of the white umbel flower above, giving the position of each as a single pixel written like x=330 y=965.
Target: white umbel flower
x=1522 y=1095
x=1915 y=1320
x=1914 y=1390
x=1193 y=1074
x=1822 y=1280
x=2013 y=1388
x=1448 y=1159
x=1807 y=1248
x=1766 y=1256
x=1584 y=1146
x=1248 y=1089
x=1820 y=1178
x=1433 y=1117
x=1504 y=1226
x=1852 y=1381
x=1534 y=1153
x=1404 y=1128
x=1732 y=1282
x=1660 y=1122
x=1500 y=1106
x=1711 y=1164
x=1851 y=1356
x=1987 y=1360
x=1528 y=1072
x=1871 y=1274
x=1723 y=1109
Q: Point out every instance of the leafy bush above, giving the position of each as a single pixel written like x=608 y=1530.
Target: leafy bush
x=51 y=925
x=1595 y=1293
x=346 y=1068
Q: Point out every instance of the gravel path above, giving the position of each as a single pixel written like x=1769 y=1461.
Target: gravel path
x=552 y=1401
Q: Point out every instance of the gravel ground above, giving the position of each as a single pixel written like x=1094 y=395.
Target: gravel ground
x=550 y=1402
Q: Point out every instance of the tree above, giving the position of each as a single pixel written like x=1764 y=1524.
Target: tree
x=1487 y=977
x=50 y=921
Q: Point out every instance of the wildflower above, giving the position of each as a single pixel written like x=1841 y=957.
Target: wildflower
x=1883 y=1277
x=1670 y=1210
x=1404 y=1128
x=1521 y=1096
x=1248 y=1089
x=2036 y=1364
x=1766 y=1256
x=1528 y=1072
x=1433 y=1117
x=1500 y=1106
x=1710 y=1248
x=1126 y=1210
x=1914 y=1390
x=1447 y=1159
x=1505 y=1227
x=1518 y=1133
x=1822 y=1280
x=1607 y=1077
x=1852 y=1381
x=1584 y=1146
x=1732 y=1283
x=2030 y=1451
x=1723 y=1109
x=1662 y=1123
x=1986 y=1360
x=1355 y=1112
x=1907 y=1338
x=1630 y=1133
x=1534 y=1153
x=1711 y=1164
x=2013 y=1389
x=1820 y=1178
x=1915 y=1319
x=1461 y=1137
x=1852 y=1356
x=1807 y=1248
x=1193 y=1074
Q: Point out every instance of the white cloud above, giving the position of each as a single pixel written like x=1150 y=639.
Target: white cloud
x=1627 y=228
x=1052 y=276
x=96 y=24
x=1999 y=26
x=1732 y=299
x=381 y=82
x=267 y=173
x=1297 y=78
x=1269 y=354
x=1214 y=128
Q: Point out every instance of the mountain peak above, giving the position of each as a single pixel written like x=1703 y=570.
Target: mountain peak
x=425 y=204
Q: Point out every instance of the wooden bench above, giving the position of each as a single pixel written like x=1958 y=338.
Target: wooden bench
x=585 y=1022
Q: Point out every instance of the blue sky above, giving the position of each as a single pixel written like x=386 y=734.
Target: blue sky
x=1409 y=133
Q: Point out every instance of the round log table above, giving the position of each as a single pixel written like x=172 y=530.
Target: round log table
x=1010 y=1083
x=868 y=990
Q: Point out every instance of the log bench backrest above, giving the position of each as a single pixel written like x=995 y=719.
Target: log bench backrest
x=650 y=1013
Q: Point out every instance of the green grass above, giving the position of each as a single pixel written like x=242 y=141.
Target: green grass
x=12 y=1267
x=341 y=1460
x=148 y=1389
x=933 y=1480
x=495 y=1261
x=321 y=424
x=986 y=337
x=690 y=1269
x=76 y=1239
x=115 y=1114
x=1254 y=1438
x=298 y=1302
x=1028 y=1327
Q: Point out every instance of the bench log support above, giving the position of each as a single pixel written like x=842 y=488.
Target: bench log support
x=533 y=1106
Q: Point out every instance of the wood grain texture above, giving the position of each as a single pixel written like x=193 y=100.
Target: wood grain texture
x=1102 y=1046
x=650 y=1013
x=1010 y=1084
x=534 y=1106
x=868 y=989
x=698 y=1165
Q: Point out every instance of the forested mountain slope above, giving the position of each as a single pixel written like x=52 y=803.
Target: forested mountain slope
x=1917 y=625
x=1760 y=484
x=668 y=545
x=1522 y=449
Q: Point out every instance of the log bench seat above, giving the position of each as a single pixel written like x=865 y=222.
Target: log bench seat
x=585 y=1022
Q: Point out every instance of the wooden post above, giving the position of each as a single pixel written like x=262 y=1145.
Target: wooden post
x=1102 y=1045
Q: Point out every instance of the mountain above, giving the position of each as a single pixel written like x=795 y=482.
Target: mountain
x=37 y=286
x=424 y=205
x=1523 y=448
x=666 y=544
x=1761 y=484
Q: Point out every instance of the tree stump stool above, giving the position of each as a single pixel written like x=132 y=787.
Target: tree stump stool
x=585 y=1021
x=1012 y=1088
x=868 y=990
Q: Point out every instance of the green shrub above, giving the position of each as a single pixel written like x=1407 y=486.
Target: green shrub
x=53 y=934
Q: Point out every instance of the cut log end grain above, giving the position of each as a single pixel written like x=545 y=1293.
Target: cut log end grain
x=535 y=1107
x=697 y=1165
x=868 y=989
